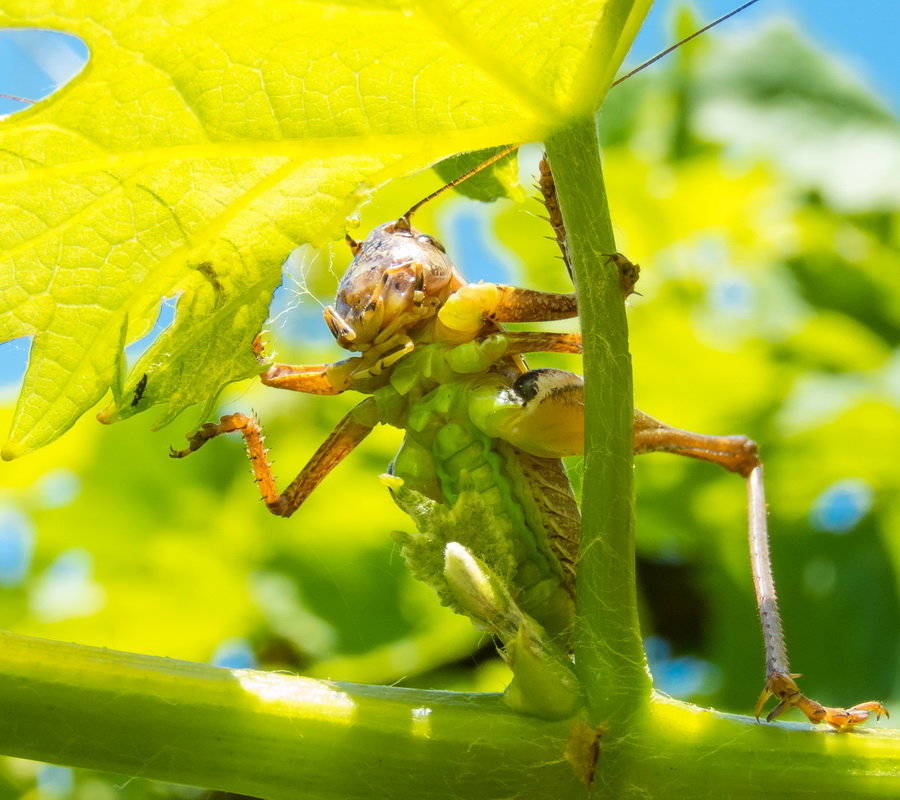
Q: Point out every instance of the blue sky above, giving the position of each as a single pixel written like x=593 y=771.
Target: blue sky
x=862 y=34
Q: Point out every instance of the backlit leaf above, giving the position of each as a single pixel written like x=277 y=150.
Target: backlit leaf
x=211 y=138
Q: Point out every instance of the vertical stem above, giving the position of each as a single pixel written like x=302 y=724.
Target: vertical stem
x=608 y=649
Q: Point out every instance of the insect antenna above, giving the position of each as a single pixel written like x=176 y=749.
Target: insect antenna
x=686 y=39
x=404 y=221
x=17 y=99
x=456 y=181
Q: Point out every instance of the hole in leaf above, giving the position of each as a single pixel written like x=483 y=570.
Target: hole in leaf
x=469 y=236
x=34 y=63
x=165 y=318
x=296 y=310
x=13 y=363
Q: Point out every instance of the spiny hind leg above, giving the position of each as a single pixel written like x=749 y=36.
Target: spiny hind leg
x=739 y=454
x=472 y=304
x=734 y=453
x=350 y=431
x=628 y=272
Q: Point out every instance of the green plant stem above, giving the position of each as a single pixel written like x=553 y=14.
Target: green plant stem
x=278 y=736
x=267 y=734
x=651 y=746
x=609 y=653
x=680 y=751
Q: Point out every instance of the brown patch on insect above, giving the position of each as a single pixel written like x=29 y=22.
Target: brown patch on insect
x=398 y=278
x=583 y=750
x=139 y=390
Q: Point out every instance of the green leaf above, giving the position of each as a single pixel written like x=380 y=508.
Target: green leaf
x=500 y=179
x=223 y=134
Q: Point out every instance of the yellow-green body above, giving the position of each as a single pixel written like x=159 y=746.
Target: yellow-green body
x=521 y=517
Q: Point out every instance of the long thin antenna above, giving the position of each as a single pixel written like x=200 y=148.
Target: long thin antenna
x=675 y=46
x=509 y=148
x=465 y=176
x=18 y=99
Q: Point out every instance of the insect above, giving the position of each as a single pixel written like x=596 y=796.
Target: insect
x=139 y=390
x=479 y=470
x=17 y=99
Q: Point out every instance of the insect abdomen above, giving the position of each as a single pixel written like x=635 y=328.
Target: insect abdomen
x=449 y=459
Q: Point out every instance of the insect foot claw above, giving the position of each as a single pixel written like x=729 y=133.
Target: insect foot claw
x=789 y=696
x=202 y=435
x=844 y=719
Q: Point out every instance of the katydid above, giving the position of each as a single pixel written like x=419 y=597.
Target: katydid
x=479 y=470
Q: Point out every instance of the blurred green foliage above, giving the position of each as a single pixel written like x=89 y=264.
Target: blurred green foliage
x=741 y=176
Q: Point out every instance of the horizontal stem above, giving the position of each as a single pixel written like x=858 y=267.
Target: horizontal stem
x=688 y=752
x=281 y=736
x=268 y=734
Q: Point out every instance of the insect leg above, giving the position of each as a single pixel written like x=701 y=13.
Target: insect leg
x=521 y=342
x=739 y=454
x=734 y=453
x=323 y=379
x=547 y=187
x=628 y=272
x=350 y=431
x=471 y=305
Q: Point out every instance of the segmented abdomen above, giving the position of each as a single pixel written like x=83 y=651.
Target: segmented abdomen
x=529 y=500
